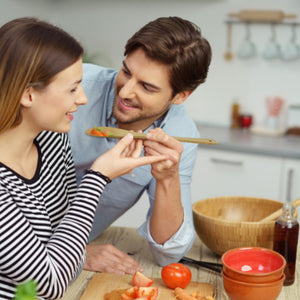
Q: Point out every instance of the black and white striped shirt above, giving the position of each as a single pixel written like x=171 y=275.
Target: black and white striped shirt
x=45 y=221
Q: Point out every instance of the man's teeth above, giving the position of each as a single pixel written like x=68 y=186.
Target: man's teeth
x=69 y=113
x=127 y=104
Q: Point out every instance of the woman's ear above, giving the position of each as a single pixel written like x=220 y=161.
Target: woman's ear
x=26 y=100
x=181 y=97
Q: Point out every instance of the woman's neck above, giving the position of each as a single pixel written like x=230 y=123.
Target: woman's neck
x=18 y=151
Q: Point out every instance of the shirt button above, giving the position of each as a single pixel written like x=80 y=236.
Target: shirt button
x=132 y=175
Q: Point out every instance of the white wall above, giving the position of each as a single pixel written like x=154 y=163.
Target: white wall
x=104 y=26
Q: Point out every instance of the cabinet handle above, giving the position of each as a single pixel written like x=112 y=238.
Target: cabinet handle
x=226 y=161
x=289 y=185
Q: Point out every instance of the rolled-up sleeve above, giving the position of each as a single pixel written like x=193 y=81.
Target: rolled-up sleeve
x=180 y=243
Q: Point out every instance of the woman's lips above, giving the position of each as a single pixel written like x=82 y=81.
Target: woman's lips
x=70 y=116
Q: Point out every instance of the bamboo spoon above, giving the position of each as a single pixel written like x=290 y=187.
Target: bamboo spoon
x=275 y=215
x=118 y=133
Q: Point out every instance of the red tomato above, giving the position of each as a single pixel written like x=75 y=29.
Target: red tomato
x=129 y=294
x=150 y=293
x=139 y=279
x=176 y=275
x=145 y=293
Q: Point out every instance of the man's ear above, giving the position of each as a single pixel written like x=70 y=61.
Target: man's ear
x=26 y=100
x=181 y=97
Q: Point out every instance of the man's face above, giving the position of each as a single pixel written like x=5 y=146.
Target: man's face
x=143 y=92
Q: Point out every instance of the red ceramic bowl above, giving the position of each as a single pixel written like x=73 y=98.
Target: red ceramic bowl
x=253 y=264
x=238 y=290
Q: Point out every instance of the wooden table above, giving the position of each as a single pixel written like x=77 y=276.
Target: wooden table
x=122 y=238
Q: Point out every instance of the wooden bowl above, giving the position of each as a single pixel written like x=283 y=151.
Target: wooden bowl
x=224 y=223
x=238 y=290
x=253 y=264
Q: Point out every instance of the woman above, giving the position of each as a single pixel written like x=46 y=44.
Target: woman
x=44 y=219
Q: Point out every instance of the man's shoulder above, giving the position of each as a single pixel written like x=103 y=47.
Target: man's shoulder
x=179 y=123
x=95 y=72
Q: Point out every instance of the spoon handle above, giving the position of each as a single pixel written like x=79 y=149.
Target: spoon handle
x=117 y=133
x=275 y=215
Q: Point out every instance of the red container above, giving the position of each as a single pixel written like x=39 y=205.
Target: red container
x=245 y=121
x=238 y=290
x=253 y=264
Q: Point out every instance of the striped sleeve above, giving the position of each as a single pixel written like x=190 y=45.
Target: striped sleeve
x=32 y=246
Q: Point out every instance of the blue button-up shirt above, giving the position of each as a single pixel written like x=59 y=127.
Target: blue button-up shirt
x=123 y=192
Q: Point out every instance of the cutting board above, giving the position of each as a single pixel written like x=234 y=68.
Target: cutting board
x=103 y=283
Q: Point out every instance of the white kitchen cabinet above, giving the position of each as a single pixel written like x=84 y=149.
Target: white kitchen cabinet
x=230 y=173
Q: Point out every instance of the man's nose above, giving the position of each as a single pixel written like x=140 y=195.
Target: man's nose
x=128 y=89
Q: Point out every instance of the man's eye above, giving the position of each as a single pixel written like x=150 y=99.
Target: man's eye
x=73 y=90
x=125 y=71
x=148 y=88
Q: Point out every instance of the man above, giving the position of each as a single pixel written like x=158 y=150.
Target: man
x=164 y=62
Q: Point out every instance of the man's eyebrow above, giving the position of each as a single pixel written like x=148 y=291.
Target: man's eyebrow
x=153 y=86
x=125 y=66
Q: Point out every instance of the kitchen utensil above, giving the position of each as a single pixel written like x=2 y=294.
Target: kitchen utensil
x=275 y=215
x=208 y=265
x=253 y=264
x=103 y=283
x=292 y=50
x=262 y=15
x=272 y=48
x=118 y=133
x=247 y=48
x=228 y=54
x=223 y=223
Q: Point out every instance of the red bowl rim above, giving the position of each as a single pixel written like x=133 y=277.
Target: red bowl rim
x=256 y=284
x=253 y=274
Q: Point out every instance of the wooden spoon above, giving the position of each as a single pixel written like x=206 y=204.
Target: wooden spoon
x=118 y=133
x=228 y=54
x=275 y=215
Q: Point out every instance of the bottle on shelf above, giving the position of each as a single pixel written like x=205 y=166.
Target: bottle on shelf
x=235 y=115
x=286 y=239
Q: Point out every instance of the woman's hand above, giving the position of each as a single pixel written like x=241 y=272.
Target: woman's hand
x=124 y=157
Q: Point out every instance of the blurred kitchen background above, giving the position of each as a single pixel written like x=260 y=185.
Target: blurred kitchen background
x=262 y=162
x=104 y=26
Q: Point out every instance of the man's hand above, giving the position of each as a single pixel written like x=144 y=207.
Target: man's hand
x=167 y=214
x=109 y=259
x=159 y=143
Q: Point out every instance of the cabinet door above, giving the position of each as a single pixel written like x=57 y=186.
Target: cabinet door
x=228 y=173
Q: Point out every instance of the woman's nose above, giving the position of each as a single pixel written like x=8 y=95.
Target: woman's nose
x=81 y=99
x=128 y=89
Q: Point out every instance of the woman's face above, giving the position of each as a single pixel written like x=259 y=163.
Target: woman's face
x=53 y=107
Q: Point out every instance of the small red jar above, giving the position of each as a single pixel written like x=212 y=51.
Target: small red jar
x=245 y=121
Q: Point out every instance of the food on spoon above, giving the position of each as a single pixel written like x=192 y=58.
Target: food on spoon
x=97 y=132
x=182 y=295
x=139 y=279
x=176 y=275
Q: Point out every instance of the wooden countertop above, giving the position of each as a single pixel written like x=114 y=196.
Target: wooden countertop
x=122 y=238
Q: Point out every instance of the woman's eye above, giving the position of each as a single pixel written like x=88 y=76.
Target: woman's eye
x=73 y=90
